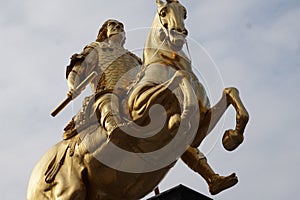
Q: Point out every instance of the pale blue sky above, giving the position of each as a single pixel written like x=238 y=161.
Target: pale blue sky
x=254 y=44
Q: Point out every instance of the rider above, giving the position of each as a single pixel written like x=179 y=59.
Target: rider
x=115 y=67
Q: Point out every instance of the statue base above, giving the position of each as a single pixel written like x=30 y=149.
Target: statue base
x=180 y=192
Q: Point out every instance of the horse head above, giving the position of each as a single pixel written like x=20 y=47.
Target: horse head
x=171 y=16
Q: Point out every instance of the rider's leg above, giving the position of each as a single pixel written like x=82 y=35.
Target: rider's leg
x=197 y=162
x=108 y=111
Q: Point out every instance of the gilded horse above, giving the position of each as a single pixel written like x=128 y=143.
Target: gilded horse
x=166 y=116
x=164 y=60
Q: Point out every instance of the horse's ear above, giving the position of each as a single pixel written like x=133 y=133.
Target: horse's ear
x=159 y=2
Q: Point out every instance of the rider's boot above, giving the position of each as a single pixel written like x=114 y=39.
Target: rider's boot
x=216 y=183
x=108 y=112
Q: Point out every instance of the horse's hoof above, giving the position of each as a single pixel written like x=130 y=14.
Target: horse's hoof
x=221 y=183
x=231 y=140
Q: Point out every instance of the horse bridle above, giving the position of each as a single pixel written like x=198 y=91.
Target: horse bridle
x=165 y=27
x=167 y=33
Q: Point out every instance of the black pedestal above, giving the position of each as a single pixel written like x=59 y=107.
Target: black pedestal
x=180 y=192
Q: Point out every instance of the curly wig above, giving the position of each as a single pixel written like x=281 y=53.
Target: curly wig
x=102 y=34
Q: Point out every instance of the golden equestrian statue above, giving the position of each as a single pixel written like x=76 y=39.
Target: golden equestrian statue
x=141 y=118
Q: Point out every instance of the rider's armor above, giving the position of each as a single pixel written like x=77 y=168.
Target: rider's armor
x=116 y=68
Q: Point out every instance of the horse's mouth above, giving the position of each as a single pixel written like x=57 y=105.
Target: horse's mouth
x=177 y=40
x=177 y=43
x=115 y=32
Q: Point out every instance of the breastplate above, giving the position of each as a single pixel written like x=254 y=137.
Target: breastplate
x=117 y=68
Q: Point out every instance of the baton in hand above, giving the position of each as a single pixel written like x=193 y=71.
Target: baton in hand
x=69 y=98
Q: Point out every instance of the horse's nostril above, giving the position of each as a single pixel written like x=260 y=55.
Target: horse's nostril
x=185 y=32
x=179 y=31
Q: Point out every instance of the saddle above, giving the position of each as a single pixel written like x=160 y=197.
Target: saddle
x=83 y=123
x=71 y=137
x=59 y=157
x=66 y=148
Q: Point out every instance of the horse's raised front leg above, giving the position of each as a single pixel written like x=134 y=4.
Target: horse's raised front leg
x=232 y=138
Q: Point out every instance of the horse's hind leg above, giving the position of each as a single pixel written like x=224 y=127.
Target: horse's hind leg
x=197 y=162
x=232 y=138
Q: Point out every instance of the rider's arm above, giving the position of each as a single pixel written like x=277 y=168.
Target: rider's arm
x=80 y=66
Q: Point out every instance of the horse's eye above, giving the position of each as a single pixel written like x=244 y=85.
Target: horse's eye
x=163 y=13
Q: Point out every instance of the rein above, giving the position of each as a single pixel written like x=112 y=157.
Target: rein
x=167 y=37
x=162 y=26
